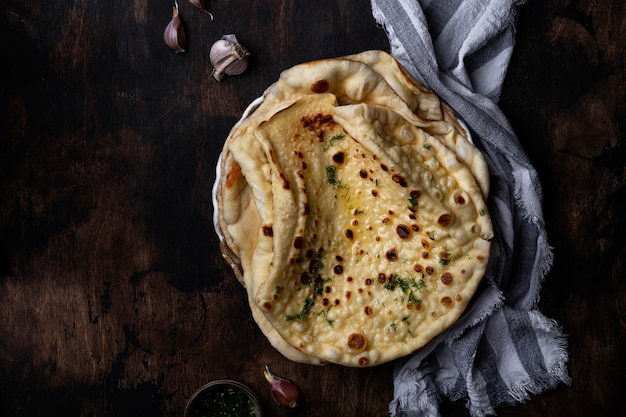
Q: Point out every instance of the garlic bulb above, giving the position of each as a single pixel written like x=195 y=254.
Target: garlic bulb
x=228 y=57
x=174 y=34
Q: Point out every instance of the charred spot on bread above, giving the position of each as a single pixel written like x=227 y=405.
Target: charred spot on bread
x=233 y=175
x=320 y=86
x=356 y=342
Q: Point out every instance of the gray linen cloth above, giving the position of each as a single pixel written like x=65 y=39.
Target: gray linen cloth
x=503 y=348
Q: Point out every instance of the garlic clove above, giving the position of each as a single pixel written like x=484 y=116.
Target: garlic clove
x=284 y=392
x=200 y=5
x=228 y=57
x=174 y=33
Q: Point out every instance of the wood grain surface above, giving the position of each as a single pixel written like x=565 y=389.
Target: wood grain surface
x=114 y=299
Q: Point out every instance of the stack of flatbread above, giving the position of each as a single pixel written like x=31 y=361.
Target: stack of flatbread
x=351 y=204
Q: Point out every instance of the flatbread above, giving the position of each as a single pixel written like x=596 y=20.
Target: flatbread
x=353 y=212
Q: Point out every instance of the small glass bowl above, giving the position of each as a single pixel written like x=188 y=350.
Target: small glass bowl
x=220 y=397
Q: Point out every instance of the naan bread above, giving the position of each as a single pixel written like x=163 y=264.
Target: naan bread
x=353 y=212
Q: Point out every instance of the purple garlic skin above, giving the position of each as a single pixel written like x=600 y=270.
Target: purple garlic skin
x=284 y=392
x=228 y=57
x=201 y=5
x=174 y=33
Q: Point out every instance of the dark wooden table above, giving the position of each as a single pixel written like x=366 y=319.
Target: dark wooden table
x=114 y=300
